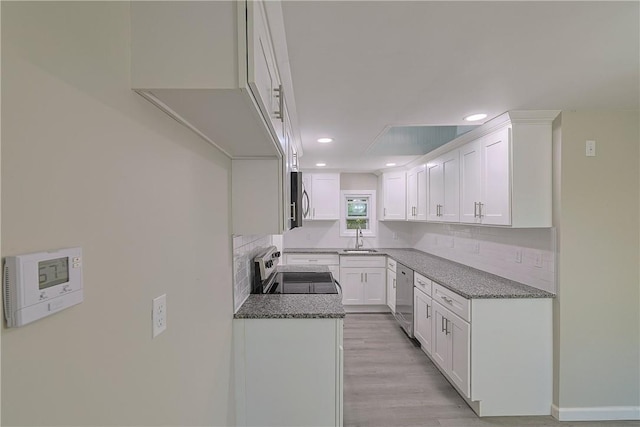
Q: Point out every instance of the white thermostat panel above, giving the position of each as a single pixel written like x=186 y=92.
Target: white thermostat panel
x=37 y=285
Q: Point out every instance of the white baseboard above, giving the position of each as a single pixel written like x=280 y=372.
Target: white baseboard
x=602 y=413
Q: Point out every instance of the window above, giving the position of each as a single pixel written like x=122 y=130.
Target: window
x=358 y=210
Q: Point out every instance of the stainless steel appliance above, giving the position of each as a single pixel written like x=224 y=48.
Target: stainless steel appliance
x=297 y=194
x=268 y=280
x=404 y=298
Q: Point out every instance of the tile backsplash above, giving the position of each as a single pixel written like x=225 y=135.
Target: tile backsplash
x=523 y=255
x=245 y=248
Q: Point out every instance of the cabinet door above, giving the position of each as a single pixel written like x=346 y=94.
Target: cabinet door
x=326 y=196
x=435 y=189
x=460 y=337
x=375 y=290
x=470 y=182
x=306 y=196
x=263 y=73
x=412 y=184
x=450 y=209
x=391 y=290
x=440 y=348
x=421 y=194
x=394 y=196
x=352 y=281
x=422 y=319
x=496 y=172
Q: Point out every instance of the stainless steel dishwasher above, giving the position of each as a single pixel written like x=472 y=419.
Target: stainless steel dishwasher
x=404 y=298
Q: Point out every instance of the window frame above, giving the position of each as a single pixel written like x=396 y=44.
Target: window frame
x=371 y=210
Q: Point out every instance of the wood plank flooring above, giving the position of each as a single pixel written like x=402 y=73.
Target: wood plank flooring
x=390 y=382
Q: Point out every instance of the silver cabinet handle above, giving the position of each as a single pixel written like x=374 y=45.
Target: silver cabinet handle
x=394 y=283
x=447 y=331
x=427 y=305
x=475 y=209
x=480 y=204
x=366 y=277
x=384 y=212
x=443 y=327
x=447 y=300
x=361 y=277
x=280 y=95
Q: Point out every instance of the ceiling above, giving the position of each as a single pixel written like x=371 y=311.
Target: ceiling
x=359 y=67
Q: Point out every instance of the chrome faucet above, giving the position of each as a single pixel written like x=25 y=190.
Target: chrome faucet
x=359 y=238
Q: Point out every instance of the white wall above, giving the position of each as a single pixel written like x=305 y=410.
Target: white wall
x=597 y=312
x=86 y=162
x=510 y=253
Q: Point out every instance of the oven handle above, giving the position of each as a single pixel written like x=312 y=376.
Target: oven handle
x=339 y=287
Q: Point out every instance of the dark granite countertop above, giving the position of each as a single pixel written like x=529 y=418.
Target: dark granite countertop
x=318 y=306
x=461 y=279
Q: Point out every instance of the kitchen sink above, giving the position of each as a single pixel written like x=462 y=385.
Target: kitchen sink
x=359 y=251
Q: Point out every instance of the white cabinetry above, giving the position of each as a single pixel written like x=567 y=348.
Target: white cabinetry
x=451 y=345
x=323 y=190
x=217 y=68
x=391 y=284
x=485 y=177
x=422 y=312
x=332 y=261
x=417 y=194
x=289 y=372
x=394 y=196
x=482 y=345
x=363 y=280
x=443 y=194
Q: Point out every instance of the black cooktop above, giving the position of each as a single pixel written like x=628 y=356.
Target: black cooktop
x=301 y=283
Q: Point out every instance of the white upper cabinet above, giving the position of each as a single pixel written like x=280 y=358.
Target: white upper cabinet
x=417 y=194
x=443 y=183
x=394 y=196
x=470 y=182
x=322 y=199
x=498 y=174
x=495 y=204
x=188 y=57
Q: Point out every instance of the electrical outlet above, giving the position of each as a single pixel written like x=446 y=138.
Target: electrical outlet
x=538 y=259
x=591 y=149
x=518 y=256
x=159 y=315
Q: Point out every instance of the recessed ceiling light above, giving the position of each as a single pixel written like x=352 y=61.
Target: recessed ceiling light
x=475 y=117
x=321 y=164
x=325 y=140
x=391 y=164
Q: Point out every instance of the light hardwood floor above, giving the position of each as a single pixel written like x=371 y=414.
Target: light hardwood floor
x=388 y=381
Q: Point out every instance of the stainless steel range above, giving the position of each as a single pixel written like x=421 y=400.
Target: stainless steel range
x=267 y=280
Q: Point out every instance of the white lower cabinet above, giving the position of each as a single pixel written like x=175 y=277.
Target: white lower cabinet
x=496 y=352
x=363 y=280
x=289 y=372
x=451 y=345
x=423 y=319
x=363 y=286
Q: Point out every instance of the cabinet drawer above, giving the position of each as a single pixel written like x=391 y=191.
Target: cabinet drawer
x=456 y=303
x=422 y=283
x=362 y=261
x=391 y=264
x=320 y=259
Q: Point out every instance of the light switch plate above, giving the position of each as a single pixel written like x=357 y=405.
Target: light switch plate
x=159 y=315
